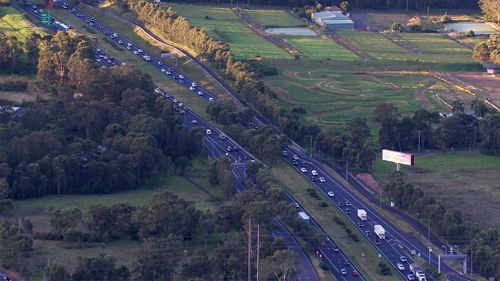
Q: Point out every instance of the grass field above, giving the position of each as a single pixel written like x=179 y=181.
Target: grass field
x=12 y=22
x=473 y=189
x=224 y=24
x=317 y=48
x=438 y=48
x=334 y=98
x=297 y=186
x=274 y=18
x=376 y=45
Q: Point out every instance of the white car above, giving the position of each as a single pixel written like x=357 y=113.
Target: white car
x=401 y=267
x=331 y=194
x=129 y=47
x=163 y=70
x=210 y=99
x=191 y=88
x=200 y=93
x=193 y=84
x=139 y=51
x=322 y=179
x=181 y=76
x=295 y=157
x=208 y=132
x=194 y=122
x=403 y=259
x=303 y=170
x=158 y=90
x=314 y=172
x=136 y=52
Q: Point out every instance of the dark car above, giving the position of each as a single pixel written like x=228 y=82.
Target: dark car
x=347 y=263
x=354 y=273
x=341 y=204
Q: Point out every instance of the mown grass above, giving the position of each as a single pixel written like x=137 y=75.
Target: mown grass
x=298 y=186
x=273 y=18
x=438 y=48
x=465 y=181
x=223 y=24
x=12 y=22
x=336 y=98
x=317 y=48
x=376 y=45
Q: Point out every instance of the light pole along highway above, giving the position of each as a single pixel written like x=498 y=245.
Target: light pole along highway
x=400 y=243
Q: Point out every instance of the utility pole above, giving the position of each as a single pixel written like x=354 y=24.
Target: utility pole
x=347 y=171
x=249 y=249
x=258 y=251
x=471 y=253
x=418 y=130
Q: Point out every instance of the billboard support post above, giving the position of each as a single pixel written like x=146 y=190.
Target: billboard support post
x=398 y=167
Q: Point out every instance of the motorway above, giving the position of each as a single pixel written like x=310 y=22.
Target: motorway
x=397 y=243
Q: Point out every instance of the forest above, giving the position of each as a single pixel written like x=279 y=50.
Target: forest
x=105 y=131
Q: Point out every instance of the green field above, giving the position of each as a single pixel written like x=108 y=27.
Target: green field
x=466 y=181
x=318 y=48
x=224 y=24
x=331 y=99
x=376 y=45
x=12 y=22
x=274 y=18
x=438 y=48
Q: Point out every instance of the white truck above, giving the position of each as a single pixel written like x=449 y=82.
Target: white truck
x=362 y=214
x=419 y=273
x=379 y=231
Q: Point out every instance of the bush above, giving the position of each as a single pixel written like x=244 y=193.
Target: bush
x=396 y=27
x=446 y=19
x=13 y=85
x=47 y=236
x=383 y=269
x=323 y=204
x=323 y=265
x=312 y=192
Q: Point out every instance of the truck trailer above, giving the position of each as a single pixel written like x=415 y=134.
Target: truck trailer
x=362 y=214
x=379 y=231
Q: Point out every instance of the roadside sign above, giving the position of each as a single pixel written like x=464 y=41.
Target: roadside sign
x=46 y=18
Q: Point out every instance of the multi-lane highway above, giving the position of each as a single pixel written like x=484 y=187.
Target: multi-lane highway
x=396 y=245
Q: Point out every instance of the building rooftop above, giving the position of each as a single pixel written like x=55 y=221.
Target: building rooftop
x=331 y=15
x=329 y=21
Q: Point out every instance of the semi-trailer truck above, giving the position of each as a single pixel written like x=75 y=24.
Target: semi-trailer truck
x=362 y=214
x=379 y=231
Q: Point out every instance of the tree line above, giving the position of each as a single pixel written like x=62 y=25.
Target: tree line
x=427 y=130
x=365 y=4
x=16 y=55
x=449 y=224
x=488 y=51
x=104 y=130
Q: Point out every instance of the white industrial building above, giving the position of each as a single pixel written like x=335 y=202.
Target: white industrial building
x=333 y=20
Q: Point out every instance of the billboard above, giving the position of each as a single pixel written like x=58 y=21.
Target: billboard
x=397 y=157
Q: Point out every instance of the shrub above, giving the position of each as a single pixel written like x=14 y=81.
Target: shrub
x=323 y=265
x=383 y=269
x=396 y=27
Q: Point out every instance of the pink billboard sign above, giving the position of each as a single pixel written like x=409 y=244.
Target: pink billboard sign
x=397 y=157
